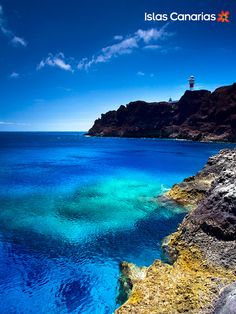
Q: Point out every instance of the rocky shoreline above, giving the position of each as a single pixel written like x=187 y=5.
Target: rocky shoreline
x=201 y=275
x=198 y=115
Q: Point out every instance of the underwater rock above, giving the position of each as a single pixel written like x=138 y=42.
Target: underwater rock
x=198 y=115
x=202 y=251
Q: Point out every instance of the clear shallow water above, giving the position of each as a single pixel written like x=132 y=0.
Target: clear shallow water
x=72 y=208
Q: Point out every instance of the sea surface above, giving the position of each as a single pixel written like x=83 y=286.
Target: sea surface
x=73 y=207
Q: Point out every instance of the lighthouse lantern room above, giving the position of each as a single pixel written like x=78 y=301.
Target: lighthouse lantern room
x=191 y=81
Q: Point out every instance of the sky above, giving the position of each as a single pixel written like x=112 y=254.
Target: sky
x=64 y=62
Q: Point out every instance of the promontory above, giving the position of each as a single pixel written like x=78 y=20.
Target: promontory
x=198 y=115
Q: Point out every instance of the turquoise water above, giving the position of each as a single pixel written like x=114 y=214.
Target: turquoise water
x=72 y=208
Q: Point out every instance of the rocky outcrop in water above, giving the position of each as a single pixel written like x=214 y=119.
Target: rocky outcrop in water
x=202 y=274
x=198 y=115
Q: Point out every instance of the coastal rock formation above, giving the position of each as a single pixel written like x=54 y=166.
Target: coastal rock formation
x=202 y=275
x=198 y=115
x=192 y=190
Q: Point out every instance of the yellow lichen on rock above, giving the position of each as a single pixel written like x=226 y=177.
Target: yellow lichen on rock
x=184 y=197
x=188 y=286
x=136 y=297
x=181 y=196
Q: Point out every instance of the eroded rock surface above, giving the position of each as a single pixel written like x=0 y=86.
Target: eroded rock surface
x=202 y=250
x=226 y=303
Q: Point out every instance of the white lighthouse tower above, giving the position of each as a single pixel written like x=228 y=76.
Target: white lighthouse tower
x=191 y=81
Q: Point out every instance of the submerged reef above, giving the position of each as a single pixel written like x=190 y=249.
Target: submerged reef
x=201 y=275
x=199 y=115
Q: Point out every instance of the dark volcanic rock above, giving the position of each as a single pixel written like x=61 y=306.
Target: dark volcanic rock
x=212 y=223
x=216 y=214
x=198 y=115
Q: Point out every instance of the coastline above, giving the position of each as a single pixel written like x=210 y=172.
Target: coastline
x=199 y=115
x=163 y=139
x=202 y=252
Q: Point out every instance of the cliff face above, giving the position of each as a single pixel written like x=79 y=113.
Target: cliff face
x=198 y=115
x=202 y=276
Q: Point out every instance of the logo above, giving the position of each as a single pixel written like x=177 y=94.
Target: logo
x=223 y=17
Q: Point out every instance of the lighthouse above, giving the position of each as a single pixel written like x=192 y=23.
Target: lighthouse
x=191 y=81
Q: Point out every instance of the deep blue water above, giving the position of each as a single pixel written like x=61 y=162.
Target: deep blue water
x=72 y=208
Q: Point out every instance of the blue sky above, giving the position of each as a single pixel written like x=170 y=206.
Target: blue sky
x=63 y=63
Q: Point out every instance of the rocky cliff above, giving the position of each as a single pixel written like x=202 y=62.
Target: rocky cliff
x=198 y=115
x=201 y=276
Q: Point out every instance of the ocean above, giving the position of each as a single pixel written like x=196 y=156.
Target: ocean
x=73 y=207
